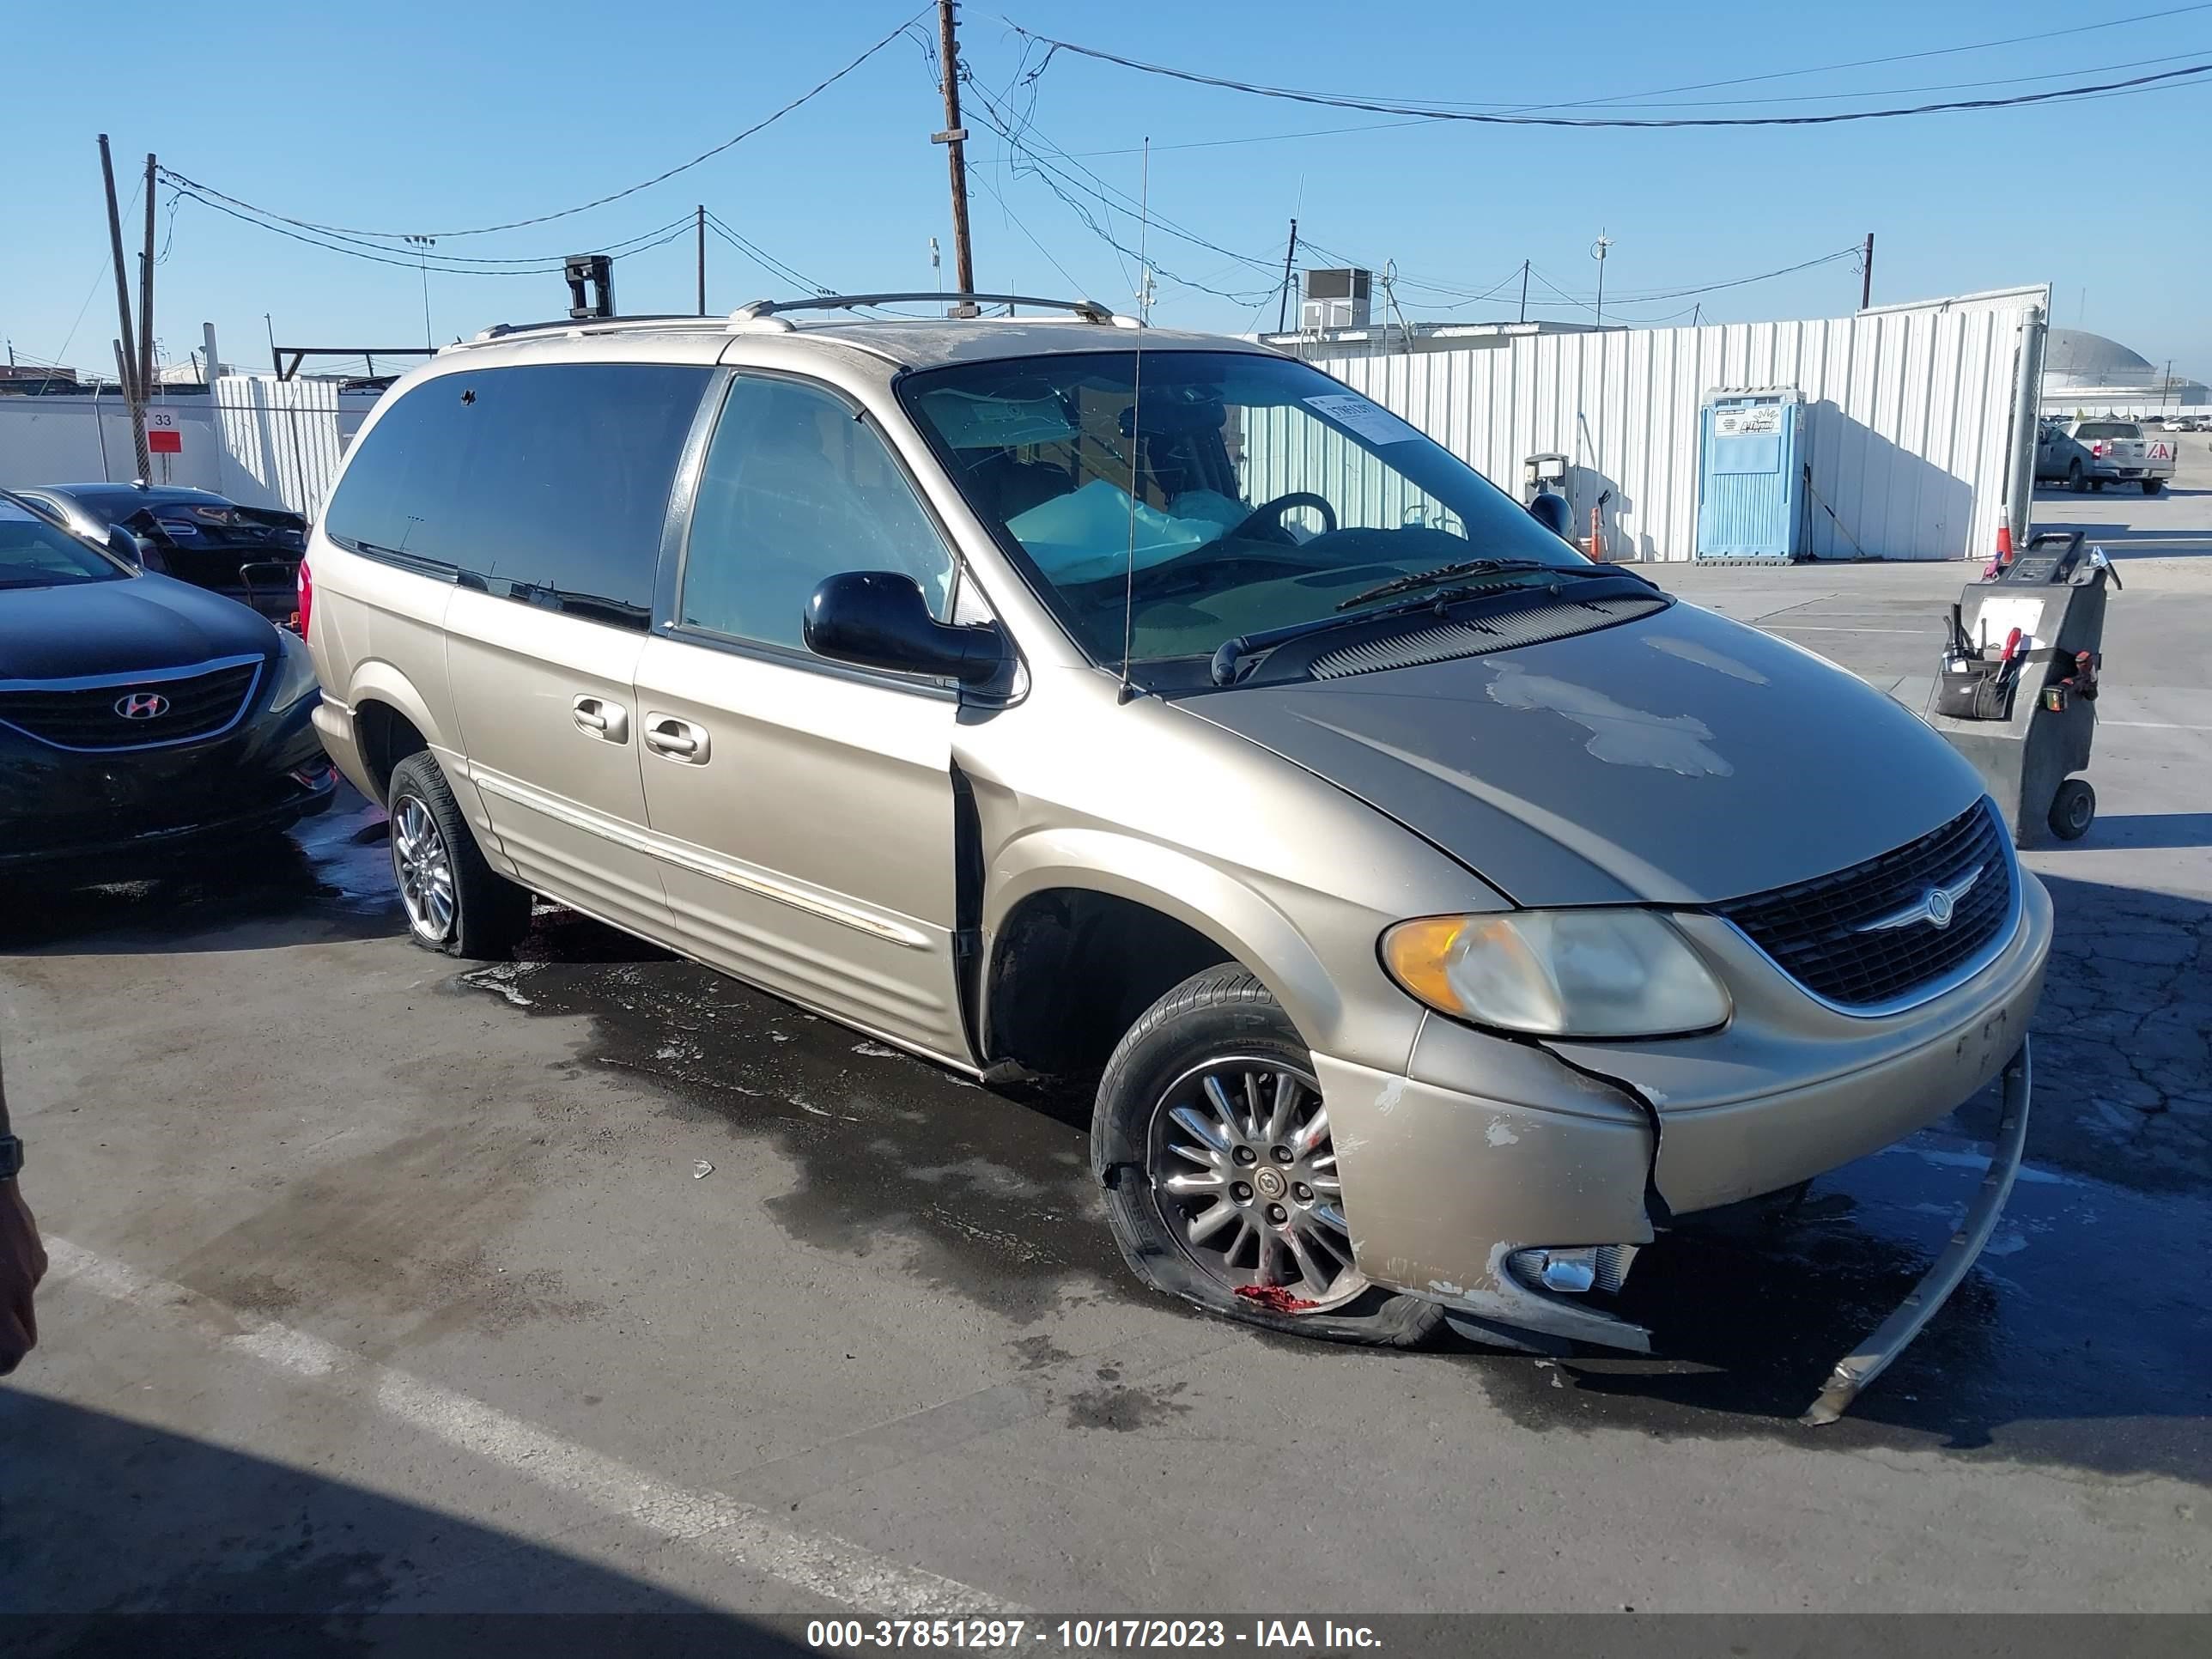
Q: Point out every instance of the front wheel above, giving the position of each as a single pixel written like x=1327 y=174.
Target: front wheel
x=1213 y=1143
x=455 y=902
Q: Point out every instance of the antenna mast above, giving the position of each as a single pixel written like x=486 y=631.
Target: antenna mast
x=1136 y=428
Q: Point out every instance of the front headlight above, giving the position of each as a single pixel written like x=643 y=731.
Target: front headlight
x=1558 y=973
x=296 y=671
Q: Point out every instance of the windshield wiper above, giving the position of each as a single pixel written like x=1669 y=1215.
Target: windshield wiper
x=1231 y=652
x=1444 y=573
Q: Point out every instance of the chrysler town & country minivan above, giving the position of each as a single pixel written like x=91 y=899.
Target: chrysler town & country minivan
x=1441 y=913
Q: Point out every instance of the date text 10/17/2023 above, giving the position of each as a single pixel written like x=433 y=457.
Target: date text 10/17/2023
x=1089 y=1635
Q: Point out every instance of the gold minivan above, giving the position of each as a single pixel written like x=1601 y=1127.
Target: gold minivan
x=1442 y=913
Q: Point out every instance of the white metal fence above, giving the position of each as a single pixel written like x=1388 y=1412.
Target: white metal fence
x=1909 y=420
x=259 y=440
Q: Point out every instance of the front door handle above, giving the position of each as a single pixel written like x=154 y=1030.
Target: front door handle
x=678 y=739
x=598 y=718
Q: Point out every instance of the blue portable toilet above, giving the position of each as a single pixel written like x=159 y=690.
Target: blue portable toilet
x=1751 y=474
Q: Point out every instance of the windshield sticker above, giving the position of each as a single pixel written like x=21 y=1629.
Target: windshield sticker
x=1364 y=419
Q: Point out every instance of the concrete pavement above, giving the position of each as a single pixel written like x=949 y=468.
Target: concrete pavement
x=393 y=1285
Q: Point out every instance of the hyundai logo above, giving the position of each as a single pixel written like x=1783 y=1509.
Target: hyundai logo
x=142 y=706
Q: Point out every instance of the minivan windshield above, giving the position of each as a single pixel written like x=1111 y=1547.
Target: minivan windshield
x=1247 y=492
x=35 y=554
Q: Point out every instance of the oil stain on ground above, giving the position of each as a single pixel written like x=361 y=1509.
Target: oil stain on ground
x=985 y=1193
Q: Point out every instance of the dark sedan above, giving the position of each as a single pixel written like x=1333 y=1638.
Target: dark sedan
x=250 y=554
x=139 y=716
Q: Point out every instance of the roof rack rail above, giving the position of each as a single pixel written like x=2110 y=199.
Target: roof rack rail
x=591 y=325
x=1088 y=310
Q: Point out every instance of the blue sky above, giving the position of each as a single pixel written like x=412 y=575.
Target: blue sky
x=406 y=116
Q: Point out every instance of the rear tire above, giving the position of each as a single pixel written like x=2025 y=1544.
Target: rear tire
x=2150 y=486
x=1155 y=1123
x=2073 y=809
x=456 y=902
x=2076 y=480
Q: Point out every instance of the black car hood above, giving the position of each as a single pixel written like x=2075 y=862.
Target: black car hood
x=1679 y=759
x=119 y=627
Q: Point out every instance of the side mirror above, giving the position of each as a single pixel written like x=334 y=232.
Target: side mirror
x=879 y=619
x=135 y=550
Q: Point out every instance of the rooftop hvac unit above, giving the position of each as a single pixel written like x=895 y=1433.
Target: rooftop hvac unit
x=1336 y=299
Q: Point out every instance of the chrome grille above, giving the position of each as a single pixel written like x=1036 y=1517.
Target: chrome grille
x=201 y=701
x=1502 y=631
x=1827 y=934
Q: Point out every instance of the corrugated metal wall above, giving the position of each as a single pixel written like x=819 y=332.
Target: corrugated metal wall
x=1909 y=409
x=282 y=440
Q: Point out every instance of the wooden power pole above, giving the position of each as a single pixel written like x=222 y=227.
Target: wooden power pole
x=146 y=296
x=126 y=356
x=1289 y=256
x=955 y=139
x=1866 y=274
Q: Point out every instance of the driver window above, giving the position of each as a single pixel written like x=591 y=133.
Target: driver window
x=796 y=488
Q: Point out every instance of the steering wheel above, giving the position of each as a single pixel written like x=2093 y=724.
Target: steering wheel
x=1271 y=512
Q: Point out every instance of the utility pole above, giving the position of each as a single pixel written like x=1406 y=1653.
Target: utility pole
x=702 y=258
x=1866 y=273
x=955 y=139
x=1597 y=253
x=423 y=247
x=1524 y=290
x=214 y=367
x=146 y=295
x=1289 y=256
x=126 y=351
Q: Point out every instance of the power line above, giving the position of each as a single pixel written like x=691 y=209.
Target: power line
x=1334 y=100
x=764 y=259
x=662 y=177
x=358 y=251
x=1006 y=207
x=456 y=263
x=1898 y=57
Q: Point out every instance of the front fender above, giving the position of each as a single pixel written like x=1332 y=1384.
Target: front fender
x=1237 y=915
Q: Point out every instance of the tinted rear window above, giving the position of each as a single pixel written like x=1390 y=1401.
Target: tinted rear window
x=2108 y=429
x=546 y=482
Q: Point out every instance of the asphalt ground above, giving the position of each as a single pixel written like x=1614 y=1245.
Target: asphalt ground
x=595 y=1283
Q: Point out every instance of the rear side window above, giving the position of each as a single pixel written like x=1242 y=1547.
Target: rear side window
x=546 y=483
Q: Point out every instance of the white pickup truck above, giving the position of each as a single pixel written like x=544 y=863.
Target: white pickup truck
x=2092 y=453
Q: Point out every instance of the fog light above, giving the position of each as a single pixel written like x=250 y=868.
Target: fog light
x=1585 y=1268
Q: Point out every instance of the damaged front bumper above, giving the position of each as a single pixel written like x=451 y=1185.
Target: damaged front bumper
x=1468 y=1197
x=1889 y=1338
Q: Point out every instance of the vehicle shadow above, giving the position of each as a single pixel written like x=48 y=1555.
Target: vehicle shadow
x=2144 y=830
x=121 y=1538
x=327 y=879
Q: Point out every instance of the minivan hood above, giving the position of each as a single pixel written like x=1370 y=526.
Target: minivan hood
x=1679 y=759
x=121 y=627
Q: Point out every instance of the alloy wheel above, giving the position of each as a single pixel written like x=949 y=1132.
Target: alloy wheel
x=1244 y=1174
x=423 y=866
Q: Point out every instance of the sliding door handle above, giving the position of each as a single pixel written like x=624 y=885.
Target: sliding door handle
x=678 y=739
x=598 y=718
